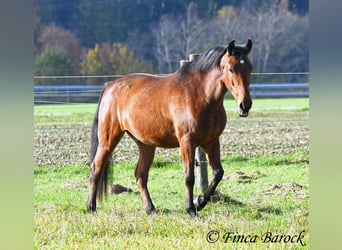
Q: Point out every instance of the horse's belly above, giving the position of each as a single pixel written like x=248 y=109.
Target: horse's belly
x=162 y=142
x=151 y=131
x=152 y=138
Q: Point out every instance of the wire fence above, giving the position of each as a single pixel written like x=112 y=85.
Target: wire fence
x=66 y=93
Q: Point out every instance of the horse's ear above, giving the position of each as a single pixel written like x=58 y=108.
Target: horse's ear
x=231 y=47
x=248 y=45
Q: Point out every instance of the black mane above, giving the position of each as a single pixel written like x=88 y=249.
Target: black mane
x=205 y=62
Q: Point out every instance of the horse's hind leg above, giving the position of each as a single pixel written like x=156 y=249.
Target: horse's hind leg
x=213 y=152
x=100 y=164
x=97 y=168
x=146 y=155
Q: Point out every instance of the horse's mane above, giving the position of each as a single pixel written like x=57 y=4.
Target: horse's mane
x=205 y=62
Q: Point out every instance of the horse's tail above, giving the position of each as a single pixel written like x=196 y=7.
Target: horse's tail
x=103 y=181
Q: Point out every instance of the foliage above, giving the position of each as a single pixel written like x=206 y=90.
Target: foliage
x=112 y=59
x=91 y=64
x=51 y=63
x=60 y=39
x=163 y=32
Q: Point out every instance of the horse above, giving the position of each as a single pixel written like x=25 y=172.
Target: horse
x=183 y=109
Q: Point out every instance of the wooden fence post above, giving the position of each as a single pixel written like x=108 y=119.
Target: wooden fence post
x=201 y=164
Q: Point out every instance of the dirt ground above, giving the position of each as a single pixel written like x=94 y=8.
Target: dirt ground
x=65 y=145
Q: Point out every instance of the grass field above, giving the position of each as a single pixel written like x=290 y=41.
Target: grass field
x=263 y=196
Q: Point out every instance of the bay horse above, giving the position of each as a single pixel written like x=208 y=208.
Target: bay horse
x=183 y=109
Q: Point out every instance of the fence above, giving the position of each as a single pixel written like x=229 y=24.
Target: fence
x=279 y=90
x=90 y=93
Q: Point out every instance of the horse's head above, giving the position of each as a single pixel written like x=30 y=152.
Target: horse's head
x=237 y=69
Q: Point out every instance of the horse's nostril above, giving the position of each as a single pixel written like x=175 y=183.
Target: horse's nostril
x=245 y=105
x=242 y=106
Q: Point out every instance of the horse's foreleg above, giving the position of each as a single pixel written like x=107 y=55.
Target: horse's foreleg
x=213 y=152
x=188 y=154
x=146 y=155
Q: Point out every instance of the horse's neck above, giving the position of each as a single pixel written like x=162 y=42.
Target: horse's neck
x=214 y=90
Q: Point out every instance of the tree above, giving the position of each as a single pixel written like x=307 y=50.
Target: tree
x=280 y=38
x=191 y=32
x=91 y=64
x=167 y=50
x=163 y=32
x=177 y=37
x=111 y=59
x=51 y=63
x=36 y=25
x=62 y=40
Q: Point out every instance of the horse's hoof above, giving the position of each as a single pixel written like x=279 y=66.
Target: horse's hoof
x=151 y=211
x=199 y=202
x=193 y=213
x=91 y=208
x=90 y=211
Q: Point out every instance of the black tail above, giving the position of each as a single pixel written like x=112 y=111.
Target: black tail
x=103 y=181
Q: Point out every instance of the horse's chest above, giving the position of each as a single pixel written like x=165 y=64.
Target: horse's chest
x=214 y=122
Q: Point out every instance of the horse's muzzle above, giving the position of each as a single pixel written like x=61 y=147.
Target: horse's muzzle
x=244 y=107
x=243 y=114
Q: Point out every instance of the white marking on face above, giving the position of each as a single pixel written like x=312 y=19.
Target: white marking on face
x=242 y=61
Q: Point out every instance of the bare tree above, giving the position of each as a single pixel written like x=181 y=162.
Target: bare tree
x=228 y=22
x=270 y=24
x=280 y=38
x=177 y=37
x=191 y=32
x=166 y=47
x=278 y=35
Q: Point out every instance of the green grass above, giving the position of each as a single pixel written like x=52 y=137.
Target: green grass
x=250 y=203
x=64 y=114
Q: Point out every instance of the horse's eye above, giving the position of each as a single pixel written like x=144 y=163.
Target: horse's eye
x=231 y=70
